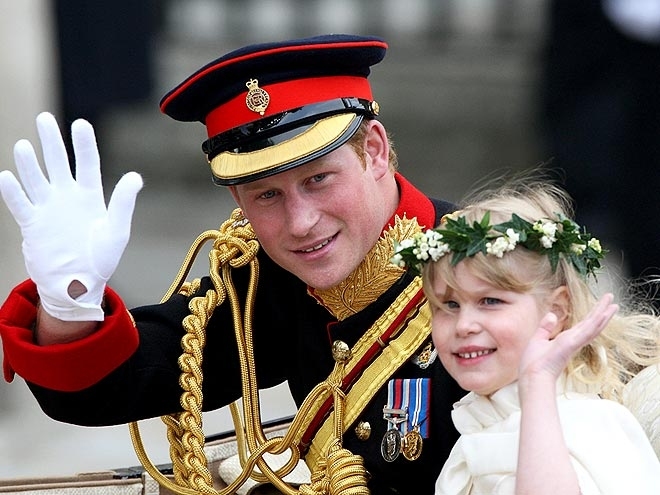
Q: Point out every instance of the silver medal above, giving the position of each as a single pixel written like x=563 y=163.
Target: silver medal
x=390 y=446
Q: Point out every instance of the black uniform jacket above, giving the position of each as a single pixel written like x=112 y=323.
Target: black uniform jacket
x=292 y=341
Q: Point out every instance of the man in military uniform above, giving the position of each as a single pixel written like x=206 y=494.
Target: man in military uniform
x=293 y=133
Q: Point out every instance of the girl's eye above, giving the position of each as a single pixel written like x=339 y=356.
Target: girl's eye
x=491 y=301
x=452 y=305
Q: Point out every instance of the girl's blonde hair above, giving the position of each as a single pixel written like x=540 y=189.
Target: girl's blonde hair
x=631 y=340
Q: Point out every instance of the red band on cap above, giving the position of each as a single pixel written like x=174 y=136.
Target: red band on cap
x=286 y=96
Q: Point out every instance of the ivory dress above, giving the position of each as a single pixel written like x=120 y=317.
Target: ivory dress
x=642 y=397
x=609 y=449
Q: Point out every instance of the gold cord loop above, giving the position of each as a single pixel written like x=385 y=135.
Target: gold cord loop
x=341 y=473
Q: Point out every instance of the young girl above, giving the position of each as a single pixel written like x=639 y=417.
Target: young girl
x=516 y=323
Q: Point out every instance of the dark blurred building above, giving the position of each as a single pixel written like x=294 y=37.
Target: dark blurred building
x=600 y=104
x=105 y=54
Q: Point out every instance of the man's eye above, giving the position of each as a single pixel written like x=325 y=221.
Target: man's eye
x=267 y=195
x=318 y=177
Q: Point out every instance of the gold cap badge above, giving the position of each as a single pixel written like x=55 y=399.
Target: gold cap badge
x=257 y=99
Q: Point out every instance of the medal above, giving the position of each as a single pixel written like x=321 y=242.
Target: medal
x=411 y=444
x=406 y=412
x=390 y=446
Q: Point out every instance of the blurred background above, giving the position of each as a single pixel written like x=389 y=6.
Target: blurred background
x=468 y=89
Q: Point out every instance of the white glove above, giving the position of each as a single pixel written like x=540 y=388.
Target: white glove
x=68 y=234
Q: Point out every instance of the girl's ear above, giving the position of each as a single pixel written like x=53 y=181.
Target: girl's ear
x=560 y=306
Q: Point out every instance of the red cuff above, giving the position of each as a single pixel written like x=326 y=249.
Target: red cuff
x=63 y=367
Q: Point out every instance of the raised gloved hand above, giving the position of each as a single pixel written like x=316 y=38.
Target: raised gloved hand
x=72 y=243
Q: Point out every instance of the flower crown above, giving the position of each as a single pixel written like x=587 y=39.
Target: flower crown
x=555 y=239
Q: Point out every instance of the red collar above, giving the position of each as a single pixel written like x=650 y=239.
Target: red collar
x=413 y=203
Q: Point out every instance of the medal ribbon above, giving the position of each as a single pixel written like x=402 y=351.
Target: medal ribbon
x=418 y=393
x=411 y=395
x=396 y=400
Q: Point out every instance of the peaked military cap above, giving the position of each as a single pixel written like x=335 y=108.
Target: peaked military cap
x=270 y=107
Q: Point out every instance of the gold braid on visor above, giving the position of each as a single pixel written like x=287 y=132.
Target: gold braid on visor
x=322 y=137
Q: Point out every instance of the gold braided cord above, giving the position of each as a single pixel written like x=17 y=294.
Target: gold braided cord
x=339 y=473
x=255 y=438
x=185 y=431
x=177 y=448
x=239 y=430
x=150 y=468
x=178 y=285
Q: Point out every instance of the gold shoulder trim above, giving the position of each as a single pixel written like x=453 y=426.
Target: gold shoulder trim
x=372 y=277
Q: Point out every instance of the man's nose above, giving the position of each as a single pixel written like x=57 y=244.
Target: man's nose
x=301 y=214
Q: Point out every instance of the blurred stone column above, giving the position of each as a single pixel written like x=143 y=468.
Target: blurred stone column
x=27 y=87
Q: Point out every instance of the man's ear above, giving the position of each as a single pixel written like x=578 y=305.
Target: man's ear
x=377 y=148
x=560 y=306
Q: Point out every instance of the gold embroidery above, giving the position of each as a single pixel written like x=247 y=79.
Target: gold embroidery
x=372 y=277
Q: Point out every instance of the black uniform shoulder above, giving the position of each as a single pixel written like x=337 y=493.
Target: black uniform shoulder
x=442 y=207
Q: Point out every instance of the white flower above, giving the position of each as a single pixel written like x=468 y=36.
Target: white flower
x=595 y=245
x=439 y=251
x=433 y=246
x=405 y=244
x=397 y=260
x=422 y=252
x=503 y=243
x=432 y=237
x=548 y=229
x=513 y=237
x=497 y=247
x=578 y=248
